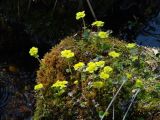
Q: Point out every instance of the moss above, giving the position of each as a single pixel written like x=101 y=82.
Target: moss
x=82 y=102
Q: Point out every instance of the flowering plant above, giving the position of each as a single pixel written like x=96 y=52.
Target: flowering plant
x=67 y=54
x=34 y=52
x=91 y=77
x=38 y=86
x=80 y=15
x=98 y=23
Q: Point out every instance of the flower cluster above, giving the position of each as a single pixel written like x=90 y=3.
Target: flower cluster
x=76 y=82
x=114 y=54
x=129 y=76
x=34 y=52
x=79 y=65
x=60 y=84
x=98 y=23
x=100 y=64
x=38 y=86
x=134 y=58
x=92 y=77
x=131 y=45
x=107 y=69
x=80 y=15
x=139 y=83
x=98 y=84
x=67 y=54
x=103 y=35
x=103 y=75
x=91 y=67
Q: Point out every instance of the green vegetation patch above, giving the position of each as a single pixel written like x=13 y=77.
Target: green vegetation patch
x=93 y=76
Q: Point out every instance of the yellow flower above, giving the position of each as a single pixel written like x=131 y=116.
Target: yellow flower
x=76 y=82
x=98 y=23
x=33 y=52
x=79 y=65
x=107 y=69
x=114 y=54
x=139 y=83
x=98 y=84
x=134 y=58
x=91 y=67
x=128 y=75
x=131 y=45
x=38 y=87
x=103 y=34
x=60 y=84
x=100 y=63
x=80 y=15
x=104 y=75
x=67 y=54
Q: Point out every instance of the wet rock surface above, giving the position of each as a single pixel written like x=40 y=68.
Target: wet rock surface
x=150 y=34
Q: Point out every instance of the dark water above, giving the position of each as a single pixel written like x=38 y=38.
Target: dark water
x=17 y=71
x=150 y=34
x=16 y=93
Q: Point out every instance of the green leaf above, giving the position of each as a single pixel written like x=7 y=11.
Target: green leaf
x=139 y=83
x=85 y=34
x=105 y=47
x=158 y=86
x=101 y=113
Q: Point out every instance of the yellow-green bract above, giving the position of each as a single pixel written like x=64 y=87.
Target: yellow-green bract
x=114 y=54
x=103 y=75
x=67 y=54
x=33 y=51
x=80 y=15
x=60 y=84
x=38 y=86
x=98 y=23
x=79 y=65
x=102 y=34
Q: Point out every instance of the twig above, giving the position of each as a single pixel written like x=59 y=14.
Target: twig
x=29 y=5
x=113 y=114
x=54 y=7
x=91 y=9
x=134 y=96
x=113 y=100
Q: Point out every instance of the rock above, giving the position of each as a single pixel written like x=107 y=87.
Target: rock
x=80 y=105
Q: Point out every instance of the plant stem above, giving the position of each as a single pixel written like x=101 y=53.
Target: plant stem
x=70 y=69
x=113 y=113
x=133 y=98
x=55 y=4
x=113 y=108
x=113 y=100
x=82 y=82
x=39 y=60
x=42 y=64
x=84 y=25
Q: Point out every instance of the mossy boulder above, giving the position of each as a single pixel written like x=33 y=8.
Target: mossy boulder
x=87 y=95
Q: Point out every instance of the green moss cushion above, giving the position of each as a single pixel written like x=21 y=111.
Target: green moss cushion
x=86 y=94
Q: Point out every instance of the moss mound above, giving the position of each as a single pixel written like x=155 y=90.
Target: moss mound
x=88 y=93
